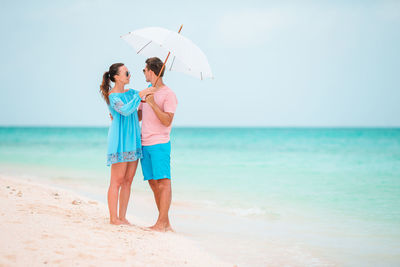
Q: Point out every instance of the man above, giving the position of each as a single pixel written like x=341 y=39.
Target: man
x=156 y=115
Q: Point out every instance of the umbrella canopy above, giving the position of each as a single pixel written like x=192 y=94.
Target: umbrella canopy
x=184 y=55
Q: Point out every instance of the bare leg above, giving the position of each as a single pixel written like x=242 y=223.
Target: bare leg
x=154 y=186
x=117 y=176
x=165 y=194
x=125 y=192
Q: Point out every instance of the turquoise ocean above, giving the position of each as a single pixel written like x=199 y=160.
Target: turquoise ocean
x=331 y=195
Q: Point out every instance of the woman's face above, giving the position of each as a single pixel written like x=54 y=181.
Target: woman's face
x=123 y=75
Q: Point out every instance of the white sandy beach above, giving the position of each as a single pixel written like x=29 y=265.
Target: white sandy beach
x=45 y=225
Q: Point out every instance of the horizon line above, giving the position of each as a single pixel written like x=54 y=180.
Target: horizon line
x=214 y=126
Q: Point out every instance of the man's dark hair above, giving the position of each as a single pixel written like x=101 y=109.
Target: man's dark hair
x=155 y=64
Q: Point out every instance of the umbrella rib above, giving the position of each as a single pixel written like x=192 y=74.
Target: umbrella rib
x=143 y=47
x=170 y=68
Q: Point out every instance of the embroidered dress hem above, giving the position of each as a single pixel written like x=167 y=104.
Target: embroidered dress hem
x=124 y=157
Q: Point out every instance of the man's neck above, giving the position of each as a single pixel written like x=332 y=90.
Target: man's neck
x=159 y=84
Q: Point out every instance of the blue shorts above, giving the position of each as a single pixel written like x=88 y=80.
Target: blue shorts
x=156 y=161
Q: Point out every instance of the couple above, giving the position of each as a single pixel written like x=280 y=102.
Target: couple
x=126 y=144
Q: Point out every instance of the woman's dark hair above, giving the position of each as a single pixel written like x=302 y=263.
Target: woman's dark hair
x=155 y=64
x=107 y=76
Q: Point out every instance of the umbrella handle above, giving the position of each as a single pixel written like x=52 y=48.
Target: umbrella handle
x=165 y=61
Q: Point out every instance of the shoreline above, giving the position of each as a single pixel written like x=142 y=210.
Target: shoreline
x=77 y=212
x=42 y=224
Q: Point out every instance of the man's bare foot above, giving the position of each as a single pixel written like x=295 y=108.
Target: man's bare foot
x=157 y=227
x=160 y=227
x=125 y=221
x=144 y=228
x=169 y=229
x=116 y=222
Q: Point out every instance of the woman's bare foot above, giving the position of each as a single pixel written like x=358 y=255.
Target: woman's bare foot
x=125 y=221
x=116 y=222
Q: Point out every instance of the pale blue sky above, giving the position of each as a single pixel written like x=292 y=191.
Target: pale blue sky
x=276 y=63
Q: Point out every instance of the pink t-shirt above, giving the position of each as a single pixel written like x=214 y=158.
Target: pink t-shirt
x=153 y=131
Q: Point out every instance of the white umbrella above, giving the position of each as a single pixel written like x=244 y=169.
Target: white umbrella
x=158 y=42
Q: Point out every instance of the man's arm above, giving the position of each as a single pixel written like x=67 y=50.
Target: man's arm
x=165 y=117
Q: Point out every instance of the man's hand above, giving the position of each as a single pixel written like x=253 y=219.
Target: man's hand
x=150 y=99
x=111 y=117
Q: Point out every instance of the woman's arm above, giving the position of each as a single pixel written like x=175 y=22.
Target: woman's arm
x=125 y=109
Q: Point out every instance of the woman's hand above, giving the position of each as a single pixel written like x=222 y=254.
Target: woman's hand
x=152 y=89
x=145 y=92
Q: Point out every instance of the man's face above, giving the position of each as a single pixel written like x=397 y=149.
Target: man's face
x=147 y=74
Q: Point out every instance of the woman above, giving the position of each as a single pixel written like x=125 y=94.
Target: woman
x=124 y=146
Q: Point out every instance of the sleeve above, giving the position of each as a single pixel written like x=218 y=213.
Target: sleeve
x=170 y=103
x=125 y=109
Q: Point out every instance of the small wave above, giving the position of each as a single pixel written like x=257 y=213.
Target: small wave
x=255 y=211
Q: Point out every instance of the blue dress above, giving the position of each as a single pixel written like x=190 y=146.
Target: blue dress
x=124 y=134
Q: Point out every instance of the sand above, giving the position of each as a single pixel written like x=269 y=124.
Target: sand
x=44 y=225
